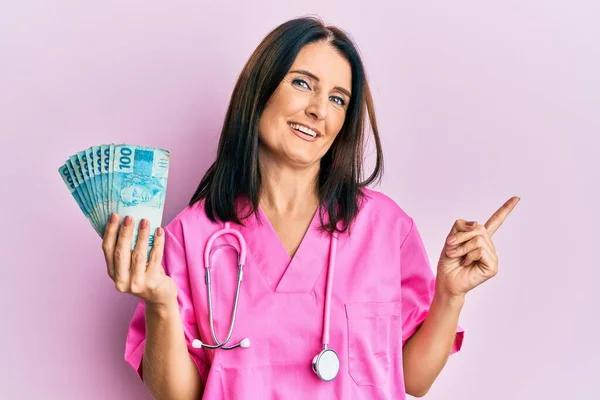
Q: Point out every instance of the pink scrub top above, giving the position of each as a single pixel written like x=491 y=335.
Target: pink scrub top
x=382 y=287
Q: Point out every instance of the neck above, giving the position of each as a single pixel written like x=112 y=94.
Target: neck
x=287 y=190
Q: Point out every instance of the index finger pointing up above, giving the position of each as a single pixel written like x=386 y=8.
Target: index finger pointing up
x=499 y=216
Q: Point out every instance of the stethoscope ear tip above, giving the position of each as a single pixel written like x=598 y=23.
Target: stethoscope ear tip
x=196 y=344
x=245 y=343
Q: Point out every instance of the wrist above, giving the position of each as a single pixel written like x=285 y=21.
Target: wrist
x=448 y=300
x=162 y=308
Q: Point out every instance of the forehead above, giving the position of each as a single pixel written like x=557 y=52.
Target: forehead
x=326 y=63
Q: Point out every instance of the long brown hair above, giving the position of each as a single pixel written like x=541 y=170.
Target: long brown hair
x=236 y=173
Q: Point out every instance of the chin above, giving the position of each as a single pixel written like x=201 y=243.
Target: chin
x=301 y=159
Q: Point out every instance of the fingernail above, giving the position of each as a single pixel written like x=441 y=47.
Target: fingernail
x=143 y=223
x=451 y=252
x=471 y=223
x=127 y=221
x=113 y=218
x=159 y=231
x=451 y=239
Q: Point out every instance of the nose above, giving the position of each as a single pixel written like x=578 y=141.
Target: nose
x=317 y=108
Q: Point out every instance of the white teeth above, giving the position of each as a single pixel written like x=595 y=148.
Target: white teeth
x=304 y=129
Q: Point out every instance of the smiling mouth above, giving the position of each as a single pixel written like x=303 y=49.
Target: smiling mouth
x=303 y=129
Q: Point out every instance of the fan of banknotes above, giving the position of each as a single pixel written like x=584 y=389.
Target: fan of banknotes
x=122 y=178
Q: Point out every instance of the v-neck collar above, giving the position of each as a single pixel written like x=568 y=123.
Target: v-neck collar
x=283 y=274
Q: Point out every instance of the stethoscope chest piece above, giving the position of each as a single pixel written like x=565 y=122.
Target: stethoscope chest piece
x=326 y=365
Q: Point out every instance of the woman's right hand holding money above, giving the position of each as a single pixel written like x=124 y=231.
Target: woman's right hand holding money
x=129 y=269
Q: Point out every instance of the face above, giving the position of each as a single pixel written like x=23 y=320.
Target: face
x=308 y=108
x=136 y=193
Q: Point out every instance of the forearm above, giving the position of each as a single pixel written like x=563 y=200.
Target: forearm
x=426 y=352
x=168 y=369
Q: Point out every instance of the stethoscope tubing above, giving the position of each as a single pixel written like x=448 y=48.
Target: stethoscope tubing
x=328 y=291
x=241 y=261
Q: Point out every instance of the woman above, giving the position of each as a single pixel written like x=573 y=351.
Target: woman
x=329 y=264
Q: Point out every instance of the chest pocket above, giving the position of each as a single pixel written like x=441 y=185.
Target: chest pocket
x=374 y=334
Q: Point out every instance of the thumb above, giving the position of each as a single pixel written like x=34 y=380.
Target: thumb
x=462 y=225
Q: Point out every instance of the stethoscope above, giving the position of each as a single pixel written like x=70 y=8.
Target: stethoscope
x=326 y=364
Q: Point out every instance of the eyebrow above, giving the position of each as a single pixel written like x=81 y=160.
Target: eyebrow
x=316 y=78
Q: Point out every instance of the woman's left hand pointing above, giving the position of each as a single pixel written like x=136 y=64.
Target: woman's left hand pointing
x=469 y=257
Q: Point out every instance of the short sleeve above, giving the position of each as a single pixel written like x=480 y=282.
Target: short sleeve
x=174 y=263
x=418 y=286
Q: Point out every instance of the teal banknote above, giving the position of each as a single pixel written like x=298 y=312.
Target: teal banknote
x=72 y=184
x=74 y=163
x=110 y=175
x=87 y=169
x=104 y=160
x=96 y=163
x=130 y=180
x=139 y=185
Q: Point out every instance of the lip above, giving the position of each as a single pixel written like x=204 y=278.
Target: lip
x=303 y=136
x=306 y=125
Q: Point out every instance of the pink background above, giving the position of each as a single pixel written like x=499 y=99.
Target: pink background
x=476 y=102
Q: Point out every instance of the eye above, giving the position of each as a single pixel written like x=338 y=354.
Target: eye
x=339 y=101
x=300 y=82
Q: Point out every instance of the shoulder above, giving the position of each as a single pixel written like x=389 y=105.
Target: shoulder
x=380 y=212
x=375 y=204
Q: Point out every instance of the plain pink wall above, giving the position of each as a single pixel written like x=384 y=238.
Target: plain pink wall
x=476 y=102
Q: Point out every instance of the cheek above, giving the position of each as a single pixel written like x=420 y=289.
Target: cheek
x=336 y=123
x=273 y=118
x=287 y=102
x=265 y=123
x=272 y=111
